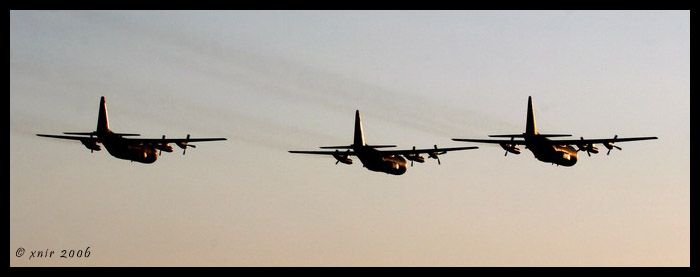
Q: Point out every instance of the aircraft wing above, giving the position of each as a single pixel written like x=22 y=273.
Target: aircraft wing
x=171 y=140
x=494 y=141
x=426 y=151
x=593 y=141
x=559 y=142
x=348 y=152
x=140 y=140
x=68 y=137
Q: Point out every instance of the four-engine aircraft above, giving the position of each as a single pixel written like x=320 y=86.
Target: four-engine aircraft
x=558 y=152
x=387 y=161
x=141 y=150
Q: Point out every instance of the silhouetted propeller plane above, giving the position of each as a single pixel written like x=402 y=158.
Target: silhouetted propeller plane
x=387 y=161
x=558 y=152
x=141 y=150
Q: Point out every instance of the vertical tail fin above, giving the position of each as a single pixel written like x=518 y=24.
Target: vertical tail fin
x=359 y=134
x=102 y=120
x=531 y=126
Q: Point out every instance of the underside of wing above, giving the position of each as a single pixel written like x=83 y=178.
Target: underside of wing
x=523 y=135
x=494 y=141
x=349 y=152
x=592 y=141
x=427 y=150
x=172 y=140
x=68 y=137
x=352 y=146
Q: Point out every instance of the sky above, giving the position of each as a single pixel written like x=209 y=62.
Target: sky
x=273 y=81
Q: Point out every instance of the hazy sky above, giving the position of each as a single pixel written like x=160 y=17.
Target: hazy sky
x=273 y=81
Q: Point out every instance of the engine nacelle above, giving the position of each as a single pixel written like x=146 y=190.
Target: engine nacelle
x=608 y=145
x=415 y=158
x=512 y=148
x=164 y=147
x=588 y=148
x=91 y=144
x=342 y=158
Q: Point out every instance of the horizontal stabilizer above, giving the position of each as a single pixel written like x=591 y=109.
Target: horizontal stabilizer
x=523 y=135
x=381 y=146
x=95 y=133
x=337 y=147
x=127 y=135
x=554 y=135
x=351 y=146
x=508 y=136
x=81 y=133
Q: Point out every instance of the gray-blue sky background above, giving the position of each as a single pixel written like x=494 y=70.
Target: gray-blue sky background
x=272 y=81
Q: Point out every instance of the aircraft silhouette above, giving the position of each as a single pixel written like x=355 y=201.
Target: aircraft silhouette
x=558 y=152
x=387 y=161
x=141 y=150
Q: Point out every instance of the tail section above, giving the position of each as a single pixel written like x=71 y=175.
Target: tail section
x=531 y=126
x=359 y=134
x=102 y=120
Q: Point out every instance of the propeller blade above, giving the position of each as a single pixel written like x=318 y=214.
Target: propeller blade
x=414 y=149
x=161 y=151
x=611 y=145
x=437 y=155
x=184 y=149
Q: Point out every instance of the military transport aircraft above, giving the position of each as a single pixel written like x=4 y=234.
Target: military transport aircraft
x=141 y=150
x=558 y=152
x=387 y=161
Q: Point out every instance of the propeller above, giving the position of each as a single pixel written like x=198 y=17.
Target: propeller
x=512 y=139
x=413 y=156
x=588 y=151
x=91 y=150
x=338 y=157
x=184 y=145
x=610 y=145
x=161 y=151
x=414 y=149
x=436 y=154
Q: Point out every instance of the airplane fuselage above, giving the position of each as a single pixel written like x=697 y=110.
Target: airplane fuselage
x=545 y=151
x=123 y=149
x=374 y=160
